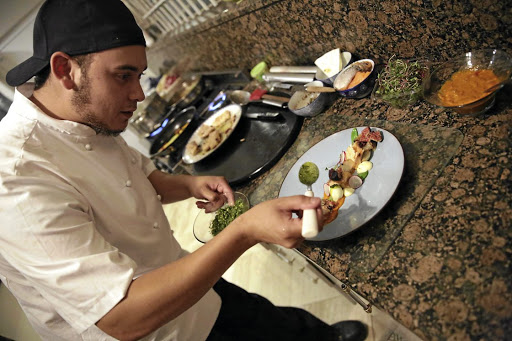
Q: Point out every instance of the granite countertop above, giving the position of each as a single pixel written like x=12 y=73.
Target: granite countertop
x=438 y=256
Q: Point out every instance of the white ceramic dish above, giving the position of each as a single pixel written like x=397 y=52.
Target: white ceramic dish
x=330 y=64
x=201 y=228
x=367 y=200
x=235 y=110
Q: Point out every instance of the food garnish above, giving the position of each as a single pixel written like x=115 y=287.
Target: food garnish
x=308 y=173
x=226 y=214
x=399 y=83
x=354 y=135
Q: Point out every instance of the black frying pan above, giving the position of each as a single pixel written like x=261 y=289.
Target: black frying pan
x=176 y=133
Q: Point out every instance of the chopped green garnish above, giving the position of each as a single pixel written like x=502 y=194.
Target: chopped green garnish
x=226 y=215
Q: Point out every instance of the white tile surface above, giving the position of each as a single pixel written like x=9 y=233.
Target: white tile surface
x=286 y=278
x=13 y=322
x=281 y=275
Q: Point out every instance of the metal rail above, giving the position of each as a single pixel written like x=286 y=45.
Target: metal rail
x=170 y=17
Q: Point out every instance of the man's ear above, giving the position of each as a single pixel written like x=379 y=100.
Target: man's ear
x=65 y=70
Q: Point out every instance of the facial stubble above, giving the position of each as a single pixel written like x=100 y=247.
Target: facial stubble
x=81 y=101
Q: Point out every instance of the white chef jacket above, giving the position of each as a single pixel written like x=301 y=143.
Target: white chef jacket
x=79 y=220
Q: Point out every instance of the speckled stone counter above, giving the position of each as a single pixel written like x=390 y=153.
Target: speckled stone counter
x=438 y=257
x=296 y=32
x=445 y=272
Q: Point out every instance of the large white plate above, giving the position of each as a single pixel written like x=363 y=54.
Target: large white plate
x=367 y=200
x=235 y=110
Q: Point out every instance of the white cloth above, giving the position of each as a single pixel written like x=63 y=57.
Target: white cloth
x=79 y=220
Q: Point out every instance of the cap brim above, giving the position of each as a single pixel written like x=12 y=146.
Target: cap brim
x=23 y=72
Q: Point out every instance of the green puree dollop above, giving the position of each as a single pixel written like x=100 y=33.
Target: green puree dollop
x=226 y=215
x=308 y=173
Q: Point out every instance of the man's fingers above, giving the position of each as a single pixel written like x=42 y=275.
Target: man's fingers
x=300 y=202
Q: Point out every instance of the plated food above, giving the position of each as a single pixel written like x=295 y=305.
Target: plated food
x=349 y=172
x=212 y=133
x=367 y=200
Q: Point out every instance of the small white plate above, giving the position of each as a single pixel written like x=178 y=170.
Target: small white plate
x=235 y=110
x=331 y=63
x=367 y=200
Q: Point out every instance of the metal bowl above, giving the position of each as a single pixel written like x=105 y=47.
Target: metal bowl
x=496 y=60
x=308 y=104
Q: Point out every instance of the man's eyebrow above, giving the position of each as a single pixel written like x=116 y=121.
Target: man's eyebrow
x=129 y=68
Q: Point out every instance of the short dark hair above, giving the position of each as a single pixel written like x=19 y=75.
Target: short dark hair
x=41 y=77
x=83 y=61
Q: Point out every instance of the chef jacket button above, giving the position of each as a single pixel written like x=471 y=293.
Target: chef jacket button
x=155 y=225
x=88 y=147
x=159 y=197
x=133 y=160
x=128 y=183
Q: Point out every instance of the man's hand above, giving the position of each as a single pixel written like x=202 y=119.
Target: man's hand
x=214 y=189
x=273 y=221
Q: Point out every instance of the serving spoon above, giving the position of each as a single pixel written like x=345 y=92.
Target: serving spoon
x=308 y=174
x=319 y=89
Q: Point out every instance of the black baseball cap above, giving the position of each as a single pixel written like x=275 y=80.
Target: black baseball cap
x=77 y=27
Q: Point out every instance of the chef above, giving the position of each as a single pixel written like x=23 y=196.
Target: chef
x=85 y=246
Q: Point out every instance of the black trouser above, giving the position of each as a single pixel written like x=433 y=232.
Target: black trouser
x=245 y=317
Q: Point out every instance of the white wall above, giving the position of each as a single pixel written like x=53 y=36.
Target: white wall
x=13 y=322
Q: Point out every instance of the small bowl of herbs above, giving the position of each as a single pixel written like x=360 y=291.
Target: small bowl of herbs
x=399 y=83
x=208 y=225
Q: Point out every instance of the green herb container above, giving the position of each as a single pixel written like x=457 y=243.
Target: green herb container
x=202 y=227
x=399 y=82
